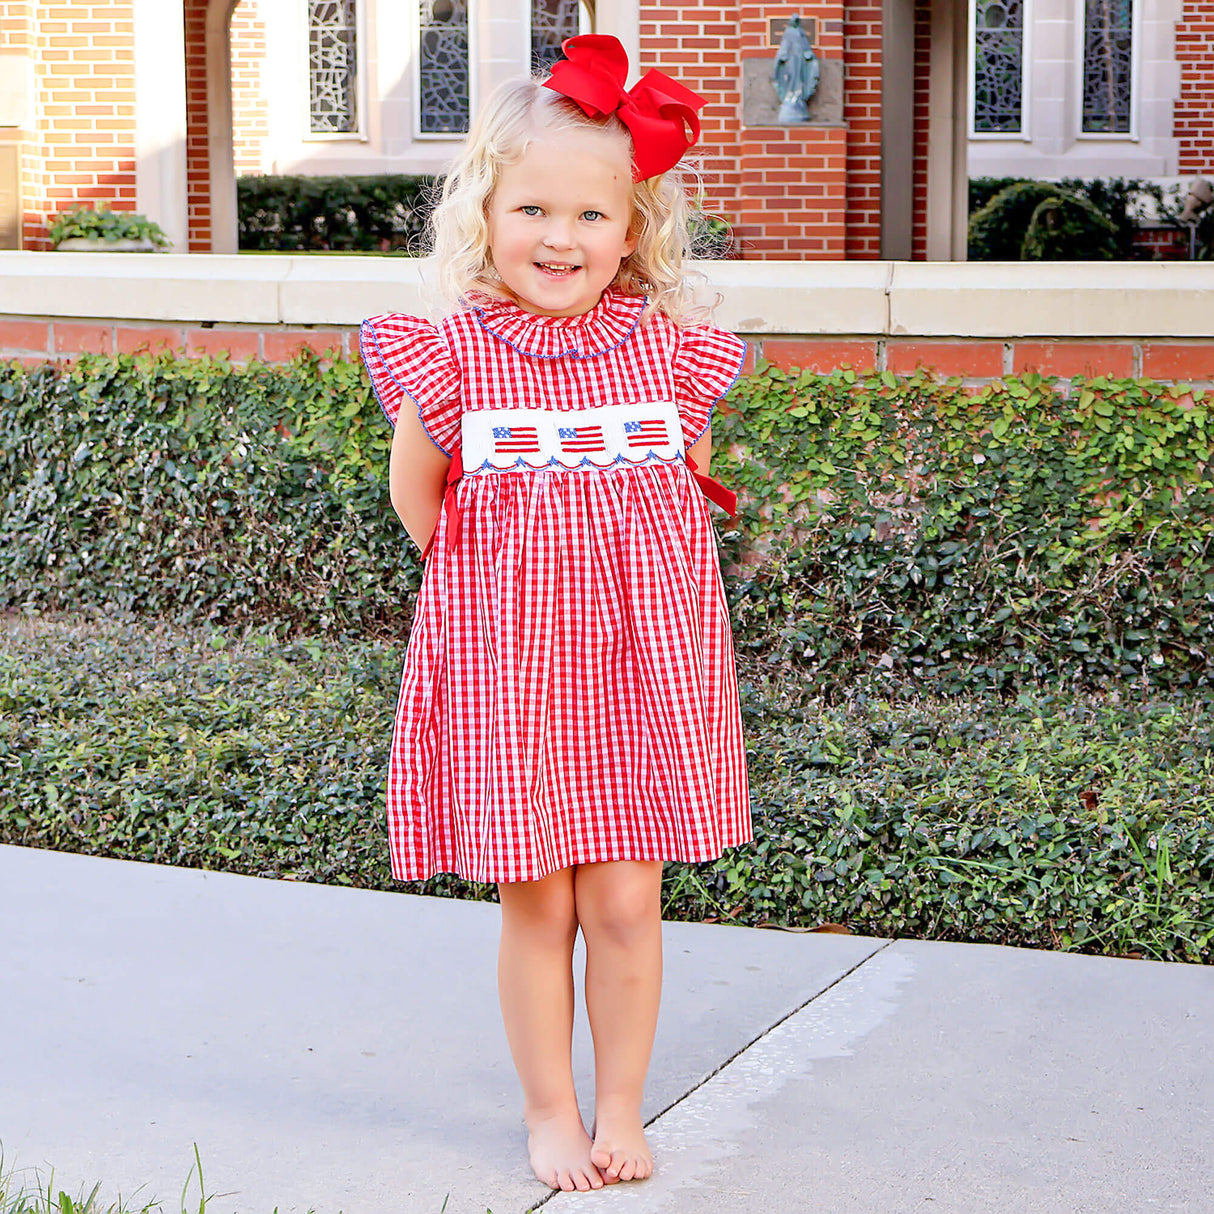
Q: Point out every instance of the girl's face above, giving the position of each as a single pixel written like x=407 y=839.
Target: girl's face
x=559 y=220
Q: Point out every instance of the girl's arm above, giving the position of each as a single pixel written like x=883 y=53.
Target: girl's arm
x=417 y=475
x=701 y=450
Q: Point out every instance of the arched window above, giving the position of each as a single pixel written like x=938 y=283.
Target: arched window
x=997 y=55
x=1108 y=67
x=552 y=21
x=333 y=66
x=444 y=101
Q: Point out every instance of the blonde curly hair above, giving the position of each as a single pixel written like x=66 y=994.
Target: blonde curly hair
x=515 y=113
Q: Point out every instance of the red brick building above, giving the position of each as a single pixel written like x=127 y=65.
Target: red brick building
x=157 y=105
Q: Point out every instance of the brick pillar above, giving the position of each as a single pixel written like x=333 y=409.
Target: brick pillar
x=862 y=112
x=197 y=143
x=923 y=64
x=1194 y=113
x=80 y=147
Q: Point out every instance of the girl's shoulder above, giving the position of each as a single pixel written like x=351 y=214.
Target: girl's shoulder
x=408 y=356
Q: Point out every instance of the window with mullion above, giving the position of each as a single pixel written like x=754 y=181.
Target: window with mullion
x=1108 y=67
x=552 y=21
x=444 y=97
x=333 y=67
x=998 y=66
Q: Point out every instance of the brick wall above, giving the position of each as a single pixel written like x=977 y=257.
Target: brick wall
x=698 y=45
x=80 y=147
x=35 y=340
x=803 y=191
x=16 y=25
x=250 y=117
x=1194 y=113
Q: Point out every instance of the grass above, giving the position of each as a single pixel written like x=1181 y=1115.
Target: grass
x=18 y=1197
x=1053 y=818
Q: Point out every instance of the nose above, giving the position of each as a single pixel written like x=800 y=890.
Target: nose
x=558 y=233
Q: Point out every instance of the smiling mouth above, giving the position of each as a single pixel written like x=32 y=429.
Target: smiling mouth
x=557 y=269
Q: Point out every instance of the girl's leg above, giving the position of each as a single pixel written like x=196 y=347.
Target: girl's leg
x=619 y=909
x=535 y=982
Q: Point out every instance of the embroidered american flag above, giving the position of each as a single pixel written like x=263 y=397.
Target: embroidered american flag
x=515 y=440
x=581 y=438
x=645 y=433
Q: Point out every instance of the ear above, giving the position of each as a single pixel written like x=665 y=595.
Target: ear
x=630 y=242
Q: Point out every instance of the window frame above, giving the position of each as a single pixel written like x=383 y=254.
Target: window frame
x=361 y=96
x=1132 y=135
x=586 y=25
x=1024 y=135
x=453 y=137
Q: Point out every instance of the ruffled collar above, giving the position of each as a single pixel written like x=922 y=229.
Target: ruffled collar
x=607 y=325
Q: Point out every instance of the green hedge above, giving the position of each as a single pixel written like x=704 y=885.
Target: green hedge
x=1001 y=233
x=981 y=535
x=191 y=489
x=984 y=537
x=1066 y=820
x=381 y=214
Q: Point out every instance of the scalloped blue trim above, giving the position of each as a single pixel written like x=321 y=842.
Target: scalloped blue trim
x=737 y=375
x=365 y=330
x=573 y=351
x=652 y=457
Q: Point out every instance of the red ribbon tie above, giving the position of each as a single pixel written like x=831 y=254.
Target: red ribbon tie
x=658 y=111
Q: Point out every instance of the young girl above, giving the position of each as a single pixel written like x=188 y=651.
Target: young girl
x=568 y=715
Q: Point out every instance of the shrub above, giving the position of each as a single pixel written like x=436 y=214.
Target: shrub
x=999 y=230
x=1065 y=228
x=987 y=537
x=1050 y=819
x=1118 y=200
x=195 y=489
x=369 y=214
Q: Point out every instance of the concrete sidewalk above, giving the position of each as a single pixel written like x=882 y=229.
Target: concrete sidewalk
x=341 y=1050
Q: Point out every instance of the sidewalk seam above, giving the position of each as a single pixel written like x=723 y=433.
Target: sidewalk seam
x=674 y=1104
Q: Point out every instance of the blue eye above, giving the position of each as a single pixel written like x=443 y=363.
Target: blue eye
x=530 y=209
x=592 y=215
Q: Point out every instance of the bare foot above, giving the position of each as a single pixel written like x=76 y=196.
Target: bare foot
x=620 y=1150
x=560 y=1152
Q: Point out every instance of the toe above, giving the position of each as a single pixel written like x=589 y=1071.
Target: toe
x=629 y=1170
x=600 y=1158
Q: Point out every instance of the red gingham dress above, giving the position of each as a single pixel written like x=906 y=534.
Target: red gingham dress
x=569 y=692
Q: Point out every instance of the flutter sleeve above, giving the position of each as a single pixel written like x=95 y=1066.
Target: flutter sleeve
x=409 y=360
x=707 y=363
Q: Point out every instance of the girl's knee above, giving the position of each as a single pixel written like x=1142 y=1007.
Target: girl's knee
x=544 y=910
x=620 y=902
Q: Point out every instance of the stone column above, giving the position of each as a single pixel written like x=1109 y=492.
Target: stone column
x=160 y=125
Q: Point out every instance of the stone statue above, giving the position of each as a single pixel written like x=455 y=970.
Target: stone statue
x=796 y=73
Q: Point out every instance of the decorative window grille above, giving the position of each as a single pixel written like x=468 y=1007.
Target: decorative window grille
x=333 y=66
x=1108 y=66
x=552 y=21
x=998 y=27
x=443 y=67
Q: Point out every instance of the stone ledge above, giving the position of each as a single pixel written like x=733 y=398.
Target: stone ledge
x=875 y=299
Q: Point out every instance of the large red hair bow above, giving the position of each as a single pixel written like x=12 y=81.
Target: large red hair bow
x=657 y=111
